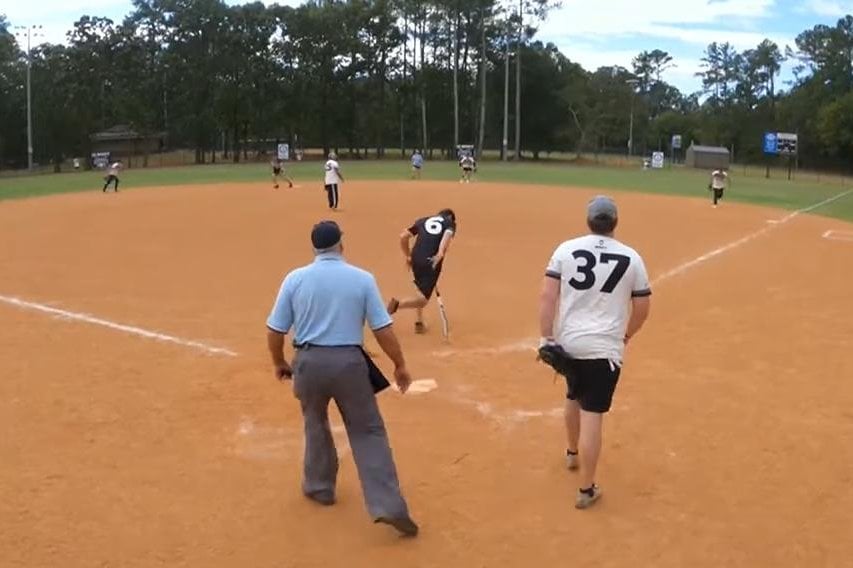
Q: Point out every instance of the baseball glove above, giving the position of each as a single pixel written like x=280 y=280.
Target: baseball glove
x=556 y=357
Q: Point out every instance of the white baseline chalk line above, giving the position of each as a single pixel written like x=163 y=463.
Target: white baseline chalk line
x=743 y=240
x=531 y=343
x=132 y=330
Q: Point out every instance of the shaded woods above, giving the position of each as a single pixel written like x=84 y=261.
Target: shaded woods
x=374 y=77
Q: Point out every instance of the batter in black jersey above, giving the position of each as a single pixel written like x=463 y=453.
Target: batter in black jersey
x=433 y=236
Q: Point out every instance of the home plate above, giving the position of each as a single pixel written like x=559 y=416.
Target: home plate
x=420 y=386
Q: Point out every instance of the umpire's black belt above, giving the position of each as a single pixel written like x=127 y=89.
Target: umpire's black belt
x=306 y=346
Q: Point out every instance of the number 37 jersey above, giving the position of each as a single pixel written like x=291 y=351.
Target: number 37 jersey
x=598 y=277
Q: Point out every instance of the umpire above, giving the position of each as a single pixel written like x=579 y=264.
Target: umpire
x=327 y=304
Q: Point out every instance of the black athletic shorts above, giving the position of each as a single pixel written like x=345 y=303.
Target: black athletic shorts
x=426 y=277
x=718 y=193
x=276 y=171
x=593 y=383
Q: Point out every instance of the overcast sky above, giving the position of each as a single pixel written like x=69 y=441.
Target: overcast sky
x=591 y=32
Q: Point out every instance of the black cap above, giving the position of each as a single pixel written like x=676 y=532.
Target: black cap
x=325 y=235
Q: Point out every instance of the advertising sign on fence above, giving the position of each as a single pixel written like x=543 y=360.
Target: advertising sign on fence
x=100 y=160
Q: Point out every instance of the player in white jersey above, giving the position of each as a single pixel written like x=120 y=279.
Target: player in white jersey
x=333 y=180
x=112 y=175
x=468 y=165
x=595 y=297
x=718 y=183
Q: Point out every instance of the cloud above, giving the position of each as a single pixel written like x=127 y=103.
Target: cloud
x=829 y=8
x=696 y=22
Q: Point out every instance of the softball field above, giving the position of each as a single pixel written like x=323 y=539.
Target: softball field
x=142 y=426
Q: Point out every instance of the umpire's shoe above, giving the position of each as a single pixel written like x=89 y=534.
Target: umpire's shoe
x=587 y=497
x=404 y=525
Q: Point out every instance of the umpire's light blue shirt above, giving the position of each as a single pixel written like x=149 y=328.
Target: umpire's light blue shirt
x=327 y=303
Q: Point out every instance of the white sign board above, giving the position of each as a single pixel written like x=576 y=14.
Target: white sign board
x=657 y=160
x=284 y=152
x=676 y=141
x=786 y=143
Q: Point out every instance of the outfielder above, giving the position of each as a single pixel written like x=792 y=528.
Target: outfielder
x=333 y=180
x=468 y=165
x=417 y=164
x=433 y=237
x=112 y=175
x=278 y=171
x=595 y=298
x=718 y=183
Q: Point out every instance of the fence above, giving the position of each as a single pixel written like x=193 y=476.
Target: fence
x=185 y=157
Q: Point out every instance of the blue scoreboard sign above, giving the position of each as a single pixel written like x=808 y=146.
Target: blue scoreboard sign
x=771 y=143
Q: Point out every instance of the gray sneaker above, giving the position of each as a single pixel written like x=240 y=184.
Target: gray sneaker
x=585 y=500
x=572 y=462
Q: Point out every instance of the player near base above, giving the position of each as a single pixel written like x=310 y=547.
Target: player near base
x=333 y=179
x=469 y=166
x=595 y=298
x=277 y=166
x=417 y=164
x=433 y=236
x=719 y=182
x=112 y=175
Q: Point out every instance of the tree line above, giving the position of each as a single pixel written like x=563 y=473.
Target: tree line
x=370 y=77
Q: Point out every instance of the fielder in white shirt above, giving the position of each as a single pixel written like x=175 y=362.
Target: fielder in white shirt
x=333 y=180
x=719 y=181
x=112 y=175
x=595 y=297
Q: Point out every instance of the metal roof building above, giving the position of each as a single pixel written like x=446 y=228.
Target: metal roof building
x=707 y=157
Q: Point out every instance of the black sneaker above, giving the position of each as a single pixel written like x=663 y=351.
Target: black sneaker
x=404 y=525
x=393 y=306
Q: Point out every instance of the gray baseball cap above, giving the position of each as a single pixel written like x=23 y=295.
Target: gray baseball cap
x=601 y=206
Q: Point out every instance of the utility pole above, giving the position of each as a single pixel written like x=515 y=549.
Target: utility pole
x=633 y=84
x=30 y=32
x=518 y=80
x=504 y=148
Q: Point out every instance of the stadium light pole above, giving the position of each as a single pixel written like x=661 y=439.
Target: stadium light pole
x=505 y=141
x=633 y=83
x=30 y=32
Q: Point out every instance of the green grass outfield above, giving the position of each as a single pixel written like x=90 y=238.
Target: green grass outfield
x=678 y=181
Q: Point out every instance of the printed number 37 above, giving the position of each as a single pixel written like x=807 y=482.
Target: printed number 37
x=589 y=262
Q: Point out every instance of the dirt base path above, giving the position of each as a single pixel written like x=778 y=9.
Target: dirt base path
x=730 y=442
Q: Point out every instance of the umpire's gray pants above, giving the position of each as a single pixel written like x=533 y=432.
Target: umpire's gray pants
x=340 y=373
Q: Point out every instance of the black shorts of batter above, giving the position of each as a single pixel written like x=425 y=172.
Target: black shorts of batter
x=593 y=383
x=276 y=171
x=426 y=277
